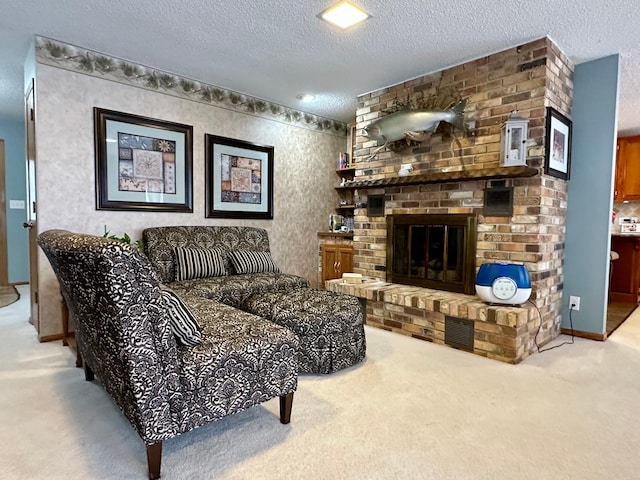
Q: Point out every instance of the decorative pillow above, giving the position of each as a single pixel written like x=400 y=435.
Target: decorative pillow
x=250 y=261
x=182 y=322
x=199 y=263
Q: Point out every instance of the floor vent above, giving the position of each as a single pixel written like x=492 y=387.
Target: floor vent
x=458 y=333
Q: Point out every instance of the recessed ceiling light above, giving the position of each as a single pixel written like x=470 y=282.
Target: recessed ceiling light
x=344 y=15
x=306 y=97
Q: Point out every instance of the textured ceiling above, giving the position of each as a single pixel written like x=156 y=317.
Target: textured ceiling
x=277 y=49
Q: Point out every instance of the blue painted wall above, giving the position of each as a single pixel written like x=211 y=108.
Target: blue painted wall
x=590 y=193
x=12 y=132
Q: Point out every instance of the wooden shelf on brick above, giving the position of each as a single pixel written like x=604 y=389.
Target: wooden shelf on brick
x=443 y=177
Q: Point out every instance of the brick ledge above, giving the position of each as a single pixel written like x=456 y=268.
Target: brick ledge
x=448 y=303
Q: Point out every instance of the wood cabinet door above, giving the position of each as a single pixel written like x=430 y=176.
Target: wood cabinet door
x=330 y=263
x=336 y=260
x=619 y=179
x=629 y=160
x=345 y=259
x=624 y=273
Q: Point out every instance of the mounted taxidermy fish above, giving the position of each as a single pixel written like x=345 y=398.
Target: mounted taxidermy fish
x=412 y=124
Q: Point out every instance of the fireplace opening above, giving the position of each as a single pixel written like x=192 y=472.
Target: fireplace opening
x=432 y=251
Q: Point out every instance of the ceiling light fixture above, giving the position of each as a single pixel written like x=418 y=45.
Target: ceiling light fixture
x=344 y=15
x=306 y=97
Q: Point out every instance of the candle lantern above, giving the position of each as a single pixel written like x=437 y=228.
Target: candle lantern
x=513 y=140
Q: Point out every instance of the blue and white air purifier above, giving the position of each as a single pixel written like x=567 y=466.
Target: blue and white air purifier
x=506 y=283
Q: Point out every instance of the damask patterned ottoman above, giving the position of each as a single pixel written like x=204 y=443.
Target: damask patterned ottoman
x=330 y=325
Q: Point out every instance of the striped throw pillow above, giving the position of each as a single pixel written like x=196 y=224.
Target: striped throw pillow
x=249 y=261
x=182 y=322
x=198 y=263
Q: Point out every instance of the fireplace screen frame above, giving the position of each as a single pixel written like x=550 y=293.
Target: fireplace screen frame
x=468 y=223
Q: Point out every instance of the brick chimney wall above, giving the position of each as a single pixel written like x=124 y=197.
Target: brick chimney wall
x=527 y=78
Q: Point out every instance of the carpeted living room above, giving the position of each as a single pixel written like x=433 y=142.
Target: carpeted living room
x=412 y=409
x=380 y=251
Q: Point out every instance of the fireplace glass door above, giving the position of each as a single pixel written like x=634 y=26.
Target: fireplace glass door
x=434 y=251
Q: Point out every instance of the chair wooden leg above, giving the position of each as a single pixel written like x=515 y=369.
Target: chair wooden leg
x=88 y=373
x=78 y=359
x=286 y=401
x=154 y=458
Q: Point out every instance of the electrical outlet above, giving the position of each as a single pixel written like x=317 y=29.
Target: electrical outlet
x=575 y=302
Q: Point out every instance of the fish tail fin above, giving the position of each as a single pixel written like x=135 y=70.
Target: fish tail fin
x=375 y=152
x=458 y=112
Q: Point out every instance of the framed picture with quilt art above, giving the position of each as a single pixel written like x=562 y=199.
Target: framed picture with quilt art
x=239 y=179
x=142 y=163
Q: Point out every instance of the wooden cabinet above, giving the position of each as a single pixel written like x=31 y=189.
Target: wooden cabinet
x=627 y=184
x=336 y=260
x=625 y=274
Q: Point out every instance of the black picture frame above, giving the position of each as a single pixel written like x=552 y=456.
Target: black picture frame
x=238 y=178
x=557 y=158
x=141 y=163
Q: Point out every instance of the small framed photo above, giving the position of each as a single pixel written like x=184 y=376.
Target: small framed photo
x=239 y=179
x=557 y=145
x=142 y=163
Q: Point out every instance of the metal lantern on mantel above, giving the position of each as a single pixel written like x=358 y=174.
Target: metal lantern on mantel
x=513 y=141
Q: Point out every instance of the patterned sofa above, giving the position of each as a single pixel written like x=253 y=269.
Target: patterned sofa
x=233 y=265
x=330 y=326
x=127 y=331
x=229 y=286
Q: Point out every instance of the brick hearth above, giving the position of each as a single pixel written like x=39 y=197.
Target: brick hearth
x=500 y=332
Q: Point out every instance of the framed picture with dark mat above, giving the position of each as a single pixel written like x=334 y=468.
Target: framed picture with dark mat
x=238 y=178
x=142 y=163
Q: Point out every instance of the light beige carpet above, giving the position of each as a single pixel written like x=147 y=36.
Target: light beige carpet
x=412 y=410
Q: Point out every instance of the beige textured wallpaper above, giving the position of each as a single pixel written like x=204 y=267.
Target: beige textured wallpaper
x=304 y=172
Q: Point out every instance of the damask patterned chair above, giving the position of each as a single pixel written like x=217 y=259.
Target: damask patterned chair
x=124 y=334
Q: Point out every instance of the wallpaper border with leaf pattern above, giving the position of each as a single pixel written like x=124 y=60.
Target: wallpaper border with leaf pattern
x=81 y=60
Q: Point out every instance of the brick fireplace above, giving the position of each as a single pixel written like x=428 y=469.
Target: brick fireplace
x=450 y=175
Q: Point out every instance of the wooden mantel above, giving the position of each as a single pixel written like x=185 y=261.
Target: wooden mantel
x=444 y=177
